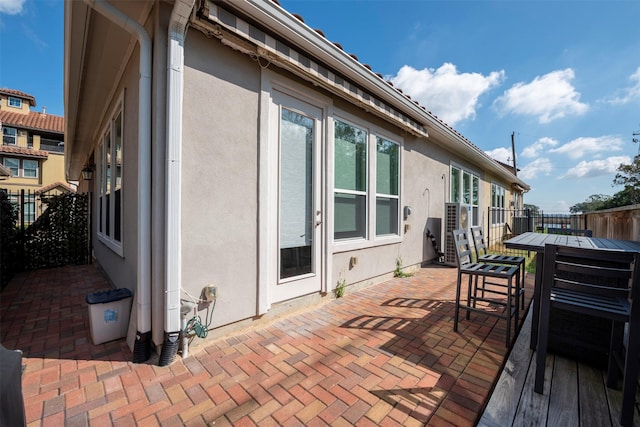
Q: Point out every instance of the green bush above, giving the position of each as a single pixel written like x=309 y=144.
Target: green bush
x=9 y=244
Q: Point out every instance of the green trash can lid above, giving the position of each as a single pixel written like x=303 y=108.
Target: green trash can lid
x=102 y=297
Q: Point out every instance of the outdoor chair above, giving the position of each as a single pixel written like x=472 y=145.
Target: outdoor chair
x=11 y=401
x=500 y=284
x=601 y=283
x=483 y=255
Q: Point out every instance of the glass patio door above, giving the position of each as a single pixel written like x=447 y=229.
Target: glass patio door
x=299 y=204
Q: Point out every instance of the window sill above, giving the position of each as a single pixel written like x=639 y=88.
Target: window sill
x=355 y=244
x=111 y=244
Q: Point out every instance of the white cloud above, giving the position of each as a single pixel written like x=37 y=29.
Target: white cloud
x=630 y=93
x=502 y=155
x=450 y=95
x=595 y=168
x=11 y=7
x=548 y=97
x=536 y=167
x=589 y=145
x=537 y=147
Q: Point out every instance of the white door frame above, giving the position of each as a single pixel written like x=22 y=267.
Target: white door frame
x=271 y=289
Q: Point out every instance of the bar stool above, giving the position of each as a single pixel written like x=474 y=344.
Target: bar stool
x=509 y=285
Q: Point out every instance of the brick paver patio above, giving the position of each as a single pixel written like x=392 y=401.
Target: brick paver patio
x=384 y=355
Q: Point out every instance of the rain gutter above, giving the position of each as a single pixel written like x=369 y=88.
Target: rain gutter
x=142 y=346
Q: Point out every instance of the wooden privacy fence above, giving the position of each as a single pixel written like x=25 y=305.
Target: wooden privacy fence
x=621 y=223
x=618 y=223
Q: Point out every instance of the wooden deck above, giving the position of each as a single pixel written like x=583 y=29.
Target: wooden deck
x=575 y=394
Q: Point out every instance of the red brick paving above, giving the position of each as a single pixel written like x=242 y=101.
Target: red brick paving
x=384 y=355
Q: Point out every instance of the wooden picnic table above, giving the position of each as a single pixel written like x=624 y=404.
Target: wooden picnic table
x=535 y=242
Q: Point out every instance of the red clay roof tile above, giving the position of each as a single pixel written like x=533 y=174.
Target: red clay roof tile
x=28 y=152
x=19 y=94
x=33 y=120
x=49 y=187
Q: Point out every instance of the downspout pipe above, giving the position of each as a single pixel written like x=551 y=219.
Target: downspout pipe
x=142 y=346
x=173 y=270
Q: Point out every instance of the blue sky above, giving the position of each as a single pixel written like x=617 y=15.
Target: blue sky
x=564 y=76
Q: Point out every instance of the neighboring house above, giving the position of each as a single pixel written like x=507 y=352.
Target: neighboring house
x=236 y=146
x=32 y=150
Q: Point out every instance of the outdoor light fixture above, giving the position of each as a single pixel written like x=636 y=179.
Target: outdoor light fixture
x=87 y=173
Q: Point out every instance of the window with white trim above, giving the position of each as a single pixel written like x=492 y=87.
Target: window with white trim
x=15 y=102
x=30 y=168
x=366 y=184
x=498 y=193
x=350 y=181
x=26 y=168
x=29 y=208
x=465 y=189
x=9 y=135
x=387 y=185
x=110 y=182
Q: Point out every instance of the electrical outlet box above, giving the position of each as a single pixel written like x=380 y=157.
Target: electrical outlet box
x=211 y=292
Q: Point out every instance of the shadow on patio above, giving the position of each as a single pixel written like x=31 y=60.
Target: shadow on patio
x=383 y=355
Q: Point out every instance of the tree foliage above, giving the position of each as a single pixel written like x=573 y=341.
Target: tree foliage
x=628 y=176
x=594 y=202
x=8 y=239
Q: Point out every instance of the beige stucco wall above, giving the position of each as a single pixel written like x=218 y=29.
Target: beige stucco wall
x=4 y=104
x=220 y=176
x=53 y=169
x=220 y=184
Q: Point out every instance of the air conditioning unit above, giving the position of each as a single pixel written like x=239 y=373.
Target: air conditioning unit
x=457 y=216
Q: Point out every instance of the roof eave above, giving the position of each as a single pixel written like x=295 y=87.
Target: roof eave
x=75 y=19
x=299 y=34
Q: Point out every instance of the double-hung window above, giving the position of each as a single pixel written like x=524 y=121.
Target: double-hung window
x=387 y=195
x=9 y=135
x=350 y=184
x=27 y=168
x=366 y=184
x=30 y=168
x=498 y=193
x=29 y=208
x=110 y=183
x=465 y=190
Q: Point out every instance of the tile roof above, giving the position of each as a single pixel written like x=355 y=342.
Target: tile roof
x=33 y=120
x=19 y=94
x=24 y=152
x=60 y=185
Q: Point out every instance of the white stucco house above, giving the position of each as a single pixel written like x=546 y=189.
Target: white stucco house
x=234 y=145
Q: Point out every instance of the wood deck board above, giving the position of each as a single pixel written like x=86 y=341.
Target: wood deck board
x=564 y=389
x=506 y=395
x=593 y=408
x=574 y=393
